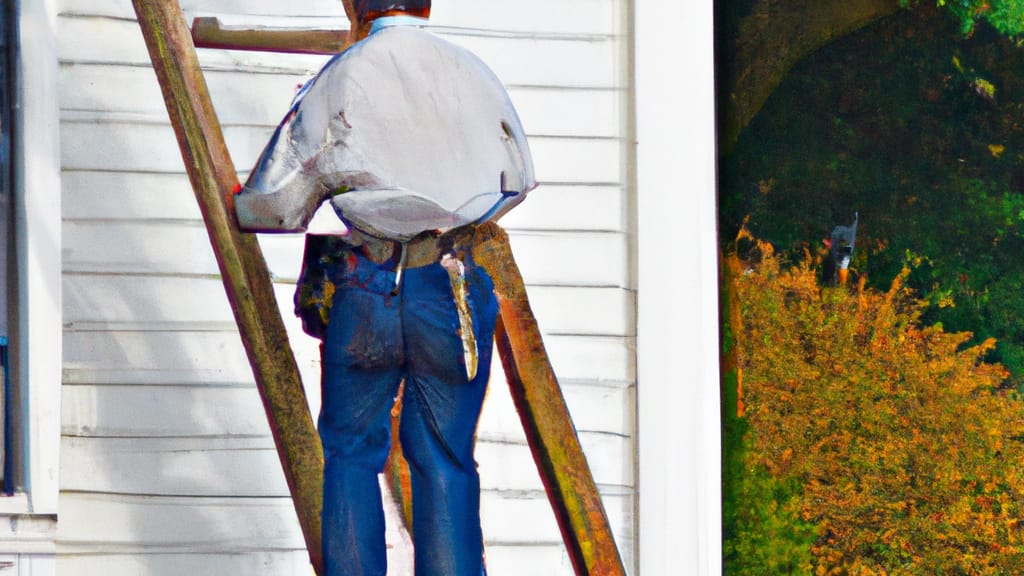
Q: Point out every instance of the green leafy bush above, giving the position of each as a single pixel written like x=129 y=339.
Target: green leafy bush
x=873 y=444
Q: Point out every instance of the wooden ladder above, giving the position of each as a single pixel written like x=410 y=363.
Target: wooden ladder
x=549 y=430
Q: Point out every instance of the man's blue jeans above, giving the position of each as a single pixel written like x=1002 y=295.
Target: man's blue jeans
x=374 y=340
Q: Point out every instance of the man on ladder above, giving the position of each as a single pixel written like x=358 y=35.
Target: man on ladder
x=389 y=157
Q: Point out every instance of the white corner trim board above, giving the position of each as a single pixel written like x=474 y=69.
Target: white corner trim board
x=38 y=226
x=679 y=524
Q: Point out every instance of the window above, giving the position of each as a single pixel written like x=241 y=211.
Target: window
x=30 y=285
x=31 y=234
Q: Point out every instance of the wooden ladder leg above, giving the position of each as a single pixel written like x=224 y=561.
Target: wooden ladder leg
x=556 y=449
x=241 y=263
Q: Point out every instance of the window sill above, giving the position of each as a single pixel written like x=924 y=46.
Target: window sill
x=24 y=533
x=14 y=505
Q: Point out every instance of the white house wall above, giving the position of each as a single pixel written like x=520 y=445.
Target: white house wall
x=167 y=464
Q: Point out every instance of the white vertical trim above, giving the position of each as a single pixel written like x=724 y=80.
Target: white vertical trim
x=38 y=228
x=37 y=565
x=679 y=440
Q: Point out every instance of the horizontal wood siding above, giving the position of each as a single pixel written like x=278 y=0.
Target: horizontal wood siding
x=167 y=465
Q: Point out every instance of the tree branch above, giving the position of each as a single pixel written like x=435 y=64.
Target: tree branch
x=764 y=44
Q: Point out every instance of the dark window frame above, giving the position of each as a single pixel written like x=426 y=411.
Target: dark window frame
x=8 y=140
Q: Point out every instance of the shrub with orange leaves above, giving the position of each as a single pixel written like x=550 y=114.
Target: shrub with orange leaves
x=903 y=445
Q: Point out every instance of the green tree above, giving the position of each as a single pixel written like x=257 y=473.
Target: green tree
x=891 y=121
x=761 y=40
x=1006 y=16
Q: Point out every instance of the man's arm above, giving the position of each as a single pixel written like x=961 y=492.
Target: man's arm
x=281 y=193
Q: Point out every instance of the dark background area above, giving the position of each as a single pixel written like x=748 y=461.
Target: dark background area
x=920 y=129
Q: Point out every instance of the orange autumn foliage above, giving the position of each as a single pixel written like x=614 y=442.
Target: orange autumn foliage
x=906 y=449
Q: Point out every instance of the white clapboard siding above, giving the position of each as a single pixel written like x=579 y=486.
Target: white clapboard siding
x=118 y=315
x=106 y=195
x=86 y=88
x=223 y=467
x=177 y=524
x=513 y=517
x=164 y=435
x=248 y=466
x=93 y=144
x=157 y=411
x=216 y=358
x=218 y=524
x=171 y=247
x=107 y=559
x=254 y=563
x=119 y=299
x=597 y=17
x=593 y=407
x=598 y=208
x=570 y=61
x=160 y=357
x=535 y=559
x=508 y=466
x=147 y=196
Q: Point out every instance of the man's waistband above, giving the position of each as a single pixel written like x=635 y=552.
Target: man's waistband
x=422 y=250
